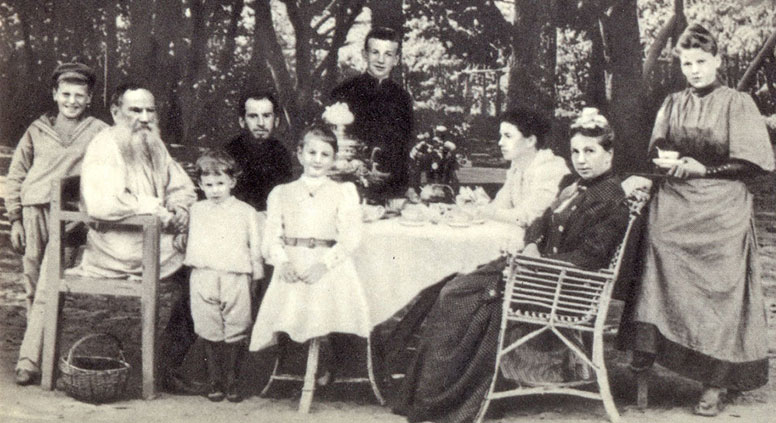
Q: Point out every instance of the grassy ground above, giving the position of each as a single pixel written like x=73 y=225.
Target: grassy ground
x=671 y=397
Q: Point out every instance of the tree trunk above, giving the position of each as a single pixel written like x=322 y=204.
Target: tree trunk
x=170 y=30
x=111 y=64
x=195 y=68
x=677 y=79
x=594 y=89
x=304 y=62
x=230 y=37
x=142 y=63
x=344 y=18
x=266 y=49
x=626 y=107
x=532 y=73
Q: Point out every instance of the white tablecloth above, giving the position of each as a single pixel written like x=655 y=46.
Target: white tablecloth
x=395 y=262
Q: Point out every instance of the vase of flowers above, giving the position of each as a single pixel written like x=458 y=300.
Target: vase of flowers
x=433 y=165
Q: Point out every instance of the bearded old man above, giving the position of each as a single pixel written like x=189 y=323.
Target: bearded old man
x=126 y=171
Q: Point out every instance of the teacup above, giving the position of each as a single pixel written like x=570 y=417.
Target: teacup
x=395 y=205
x=667 y=154
x=459 y=216
x=415 y=214
x=372 y=213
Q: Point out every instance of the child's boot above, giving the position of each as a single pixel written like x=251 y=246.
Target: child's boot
x=214 y=371
x=234 y=354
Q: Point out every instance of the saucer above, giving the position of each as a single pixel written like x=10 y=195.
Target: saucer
x=667 y=163
x=406 y=222
x=455 y=224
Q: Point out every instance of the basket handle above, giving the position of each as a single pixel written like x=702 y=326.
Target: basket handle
x=92 y=336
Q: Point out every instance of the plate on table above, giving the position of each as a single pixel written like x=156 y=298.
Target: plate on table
x=459 y=224
x=667 y=163
x=372 y=213
x=407 y=222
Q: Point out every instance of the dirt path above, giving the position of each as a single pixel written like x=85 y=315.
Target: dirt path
x=671 y=397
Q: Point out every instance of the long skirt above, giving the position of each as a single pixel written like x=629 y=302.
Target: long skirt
x=454 y=363
x=700 y=306
x=334 y=304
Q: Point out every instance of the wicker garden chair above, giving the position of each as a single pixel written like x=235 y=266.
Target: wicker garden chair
x=558 y=297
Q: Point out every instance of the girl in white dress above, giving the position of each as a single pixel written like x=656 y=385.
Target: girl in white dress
x=313 y=226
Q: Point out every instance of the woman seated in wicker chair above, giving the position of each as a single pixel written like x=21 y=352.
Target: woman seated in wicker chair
x=450 y=373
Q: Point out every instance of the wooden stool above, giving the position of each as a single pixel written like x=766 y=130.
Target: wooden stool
x=59 y=283
x=308 y=387
x=642 y=389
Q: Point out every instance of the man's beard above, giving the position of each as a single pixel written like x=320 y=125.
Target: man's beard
x=260 y=134
x=142 y=142
x=139 y=145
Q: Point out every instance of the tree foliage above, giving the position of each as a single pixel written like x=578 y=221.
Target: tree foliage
x=196 y=55
x=199 y=55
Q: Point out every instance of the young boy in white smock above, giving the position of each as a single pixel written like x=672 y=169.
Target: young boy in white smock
x=223 y=249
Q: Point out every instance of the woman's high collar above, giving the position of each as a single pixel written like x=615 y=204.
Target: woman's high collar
x=704 y=91
x=590 y=182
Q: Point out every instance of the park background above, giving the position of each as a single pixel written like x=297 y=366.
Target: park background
x=463 y=62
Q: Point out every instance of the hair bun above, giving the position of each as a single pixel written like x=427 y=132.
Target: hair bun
x=696 y=36
x=698 y=29
x=590 y=118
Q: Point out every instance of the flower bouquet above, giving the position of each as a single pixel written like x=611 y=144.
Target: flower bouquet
x=432 y=166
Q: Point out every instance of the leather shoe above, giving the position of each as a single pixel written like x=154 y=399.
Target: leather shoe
x=712 y=402
x=175 y=385
x=25 y=377
x=233 y=394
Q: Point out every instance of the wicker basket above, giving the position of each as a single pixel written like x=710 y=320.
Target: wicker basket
x=92 y=378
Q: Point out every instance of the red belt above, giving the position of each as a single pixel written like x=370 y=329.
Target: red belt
x=308 y=242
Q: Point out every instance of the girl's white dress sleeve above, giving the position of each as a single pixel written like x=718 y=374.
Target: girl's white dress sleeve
x=349 y=227
x=272 y=246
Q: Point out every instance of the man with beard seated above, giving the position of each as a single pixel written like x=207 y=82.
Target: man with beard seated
x=126 y=171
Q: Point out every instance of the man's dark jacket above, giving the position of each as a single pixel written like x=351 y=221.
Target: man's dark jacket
x=383 y=119
x=264 y=163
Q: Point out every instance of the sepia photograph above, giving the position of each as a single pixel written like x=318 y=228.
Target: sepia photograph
x=368 y=211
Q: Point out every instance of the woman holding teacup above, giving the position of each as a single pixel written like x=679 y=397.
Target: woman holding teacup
x=453 y=363
x=699 y=310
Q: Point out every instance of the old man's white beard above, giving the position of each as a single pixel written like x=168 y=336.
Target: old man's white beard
x=138 y=146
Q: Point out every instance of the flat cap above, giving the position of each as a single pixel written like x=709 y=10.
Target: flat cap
x=74 y=71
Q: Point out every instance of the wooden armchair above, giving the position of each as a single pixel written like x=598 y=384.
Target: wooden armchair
x=64 y=209
x=550 y=296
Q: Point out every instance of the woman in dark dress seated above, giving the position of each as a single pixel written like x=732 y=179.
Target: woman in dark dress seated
x=450 y=373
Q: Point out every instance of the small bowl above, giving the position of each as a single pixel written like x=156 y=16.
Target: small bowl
x=395 y=205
